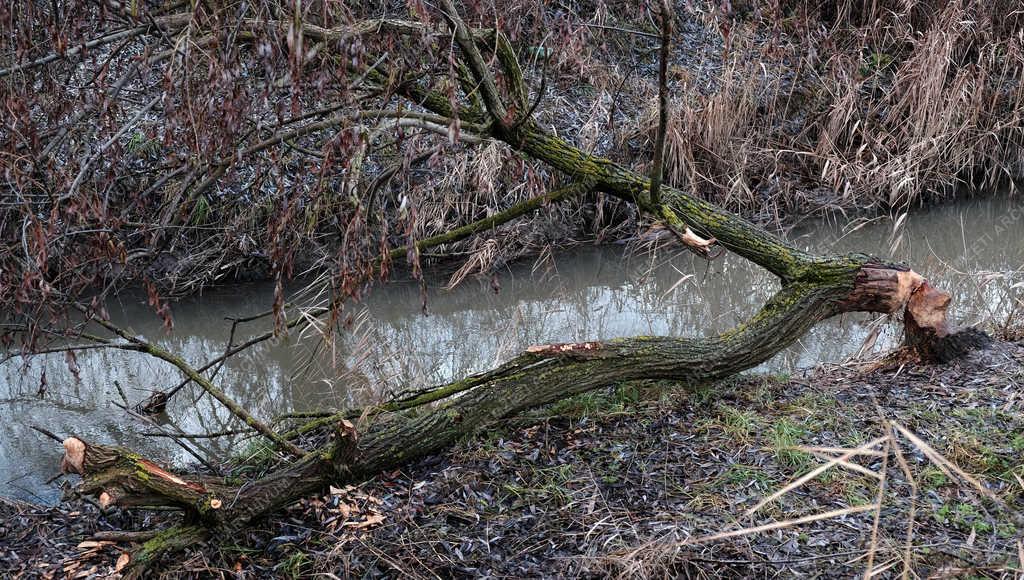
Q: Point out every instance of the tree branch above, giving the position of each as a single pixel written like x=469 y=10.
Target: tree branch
x=149 y=348
x=476 y=64
x=659 y=143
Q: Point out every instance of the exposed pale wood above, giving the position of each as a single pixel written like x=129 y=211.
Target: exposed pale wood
x=74 y=456
x=928 y=331
x=884 y=290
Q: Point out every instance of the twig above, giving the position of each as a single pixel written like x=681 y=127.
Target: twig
x=782 y=524
x=873 y=546
x=815 y=472
x=620 y=29
x=74 y=50
x=177 y=440
x=120 y=391
x=227 y=433
x=124 y=536
x=141 y=345
x=476 y=63
x=99 y=151
x=47 y=433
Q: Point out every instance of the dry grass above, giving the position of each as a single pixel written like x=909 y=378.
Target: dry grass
x=891 y=450
x=777 y=108
x=805 y=111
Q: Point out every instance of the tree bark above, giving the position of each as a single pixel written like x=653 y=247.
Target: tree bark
x=541 y=375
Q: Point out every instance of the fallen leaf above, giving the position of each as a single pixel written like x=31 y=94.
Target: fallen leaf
x=86 y=573
x=122 y=561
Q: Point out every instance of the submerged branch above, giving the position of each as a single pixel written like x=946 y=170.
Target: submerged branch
x=144 y=346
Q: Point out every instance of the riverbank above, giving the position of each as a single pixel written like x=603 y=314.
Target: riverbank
x=881 y=113
x=616 y=482
x=776 y=112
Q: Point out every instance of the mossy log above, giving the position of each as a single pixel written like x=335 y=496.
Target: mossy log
x=541 y=375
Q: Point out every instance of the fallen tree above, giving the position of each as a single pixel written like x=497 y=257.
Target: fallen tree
x=543 y=374
x=357 y=444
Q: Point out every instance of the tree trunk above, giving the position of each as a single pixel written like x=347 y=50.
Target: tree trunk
x=541 y=375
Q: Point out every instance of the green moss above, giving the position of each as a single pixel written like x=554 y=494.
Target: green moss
x=169 y=540
x=933 y=478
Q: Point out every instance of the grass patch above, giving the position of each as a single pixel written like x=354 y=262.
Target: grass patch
x=295 y=564
x=933 y=478
x=786 y=435
x=743 y=475
x=611 y=400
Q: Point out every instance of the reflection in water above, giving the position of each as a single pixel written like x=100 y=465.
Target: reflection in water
x=594 y=293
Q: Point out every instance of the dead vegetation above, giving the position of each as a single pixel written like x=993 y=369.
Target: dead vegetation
x=344 y=194
x=776 y=109
x=881 y=105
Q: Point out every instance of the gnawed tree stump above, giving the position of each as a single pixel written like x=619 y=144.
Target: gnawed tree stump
x=118 y=477
x=930 y=334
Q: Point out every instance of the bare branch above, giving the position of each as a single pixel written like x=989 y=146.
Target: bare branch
x=138 y=344
x=476 y=63
x=659 y=144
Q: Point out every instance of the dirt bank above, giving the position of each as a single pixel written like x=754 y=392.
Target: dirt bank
x=616 y=482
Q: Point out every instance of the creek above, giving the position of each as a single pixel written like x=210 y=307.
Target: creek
x=972 y=248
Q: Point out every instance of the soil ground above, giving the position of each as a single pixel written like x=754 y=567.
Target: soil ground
x=628 y=481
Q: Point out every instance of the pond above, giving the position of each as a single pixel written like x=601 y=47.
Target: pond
x=973 y=248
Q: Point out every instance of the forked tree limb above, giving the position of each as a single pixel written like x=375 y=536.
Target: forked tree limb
x=704 y=218
x=513 y=71
x=137 y=344
x=475 y=61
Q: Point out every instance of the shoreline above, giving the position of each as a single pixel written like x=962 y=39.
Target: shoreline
x=611 y=483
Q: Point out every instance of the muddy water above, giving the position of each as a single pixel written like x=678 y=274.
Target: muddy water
x=974 y=248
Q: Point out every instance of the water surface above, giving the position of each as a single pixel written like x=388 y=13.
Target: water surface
x=974 y=248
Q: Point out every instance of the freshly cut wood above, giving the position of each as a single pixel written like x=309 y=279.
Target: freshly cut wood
x=541 y=375
x=929 y=332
